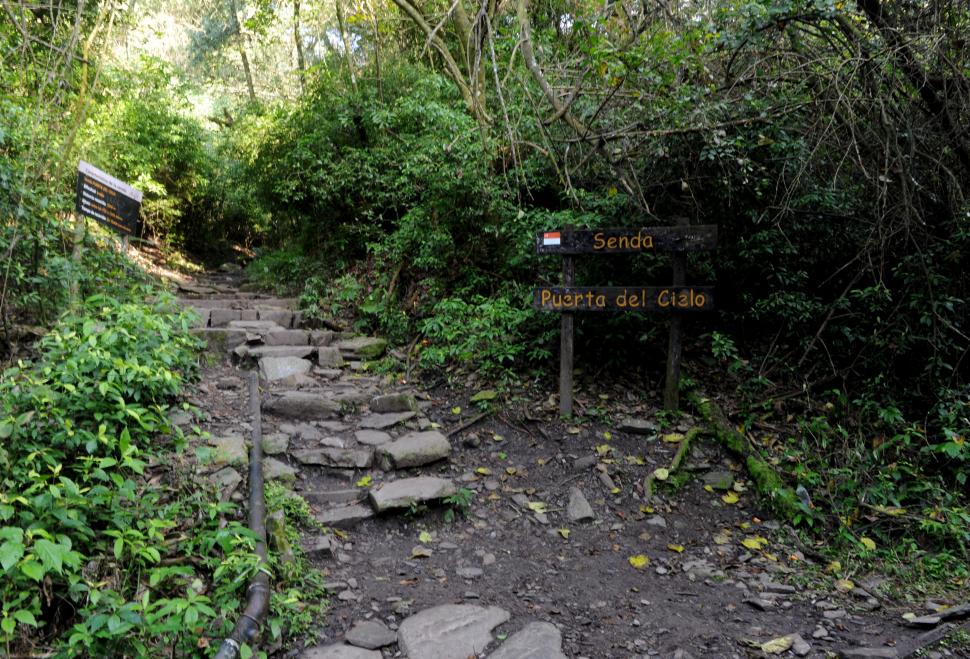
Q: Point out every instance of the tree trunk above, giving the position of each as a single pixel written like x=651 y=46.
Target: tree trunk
x=241 y=45
x=348 y=53
x=300 y=60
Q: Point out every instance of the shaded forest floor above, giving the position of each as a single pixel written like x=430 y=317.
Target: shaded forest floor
x=699 y=569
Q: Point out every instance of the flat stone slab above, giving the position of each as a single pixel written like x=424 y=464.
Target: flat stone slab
x=280 y=317
x=394 y=403
x=272 y=369
x=384 y=421
x=275 y=470
x=372 y=437
x=408 y=491
x=537 y=640
x=255 y=326
x=222 y=317
x=275 y=443
x=286 y=337
x=341 y=458
x=258 y=352
x=339 y=651
x=229 y=450
x=415 y=449
x=303 y=405
x=328 y=357
x=365 y=347
x=370 y=634
x=226 y=480
x=344 y=517
x=449 y=631
x=578 y=508
x=347 y=495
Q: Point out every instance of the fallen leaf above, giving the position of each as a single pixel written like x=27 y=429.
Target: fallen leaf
x=661 y=474
x=647 y=510
x=603 y=449
x=511 y=471
x=363 y=482
x=487 y=394
x=607 y=435
x=484 y=471
x=673 y=437
x=777 y=645
x=537 y=506
x=722 y=538
x=497 y=438
x=868 y=543
x=564 y=533
x=709 y=488
x=615 y=490
x=635 y=460
x=770 y=556
x=755 y=542
x=574 y=430
x=639 y=561
x=542 y=461
x=730 y=498
x=421 y=552
x=424 y=537
x=677 y=548
x=456 y=410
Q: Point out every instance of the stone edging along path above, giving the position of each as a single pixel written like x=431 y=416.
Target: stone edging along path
x=541 y=566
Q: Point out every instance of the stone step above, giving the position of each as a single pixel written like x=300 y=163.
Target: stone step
x=449 y=631
x=302 y=406
x=344 y=517
x=221 y=317
x=335 y=457
x=326 y=497
x=407 y=492
x=234 y=302
x=414 y=450
x=362 y=347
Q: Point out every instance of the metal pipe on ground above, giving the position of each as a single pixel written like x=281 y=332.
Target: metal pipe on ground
x=257 y=594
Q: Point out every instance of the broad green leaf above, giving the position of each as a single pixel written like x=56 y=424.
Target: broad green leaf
x=10 y=553
x=487 y=394
x=50 y=555
x=33 y=570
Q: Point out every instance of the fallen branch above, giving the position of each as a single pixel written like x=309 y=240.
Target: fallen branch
x=767 y=481
x=466 y=425
x=682 y=451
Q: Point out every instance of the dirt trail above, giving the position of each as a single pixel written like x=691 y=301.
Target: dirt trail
x=547 y=558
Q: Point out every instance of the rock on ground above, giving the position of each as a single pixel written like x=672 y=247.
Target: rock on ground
x=394 y=403
x=365 y=347
x=383 y=421
x=340 y=458
x=344 y=516
x=537 y=640
x=408 y=491
x=229 y=450
x=370 y=634
x=339 y=651
x=274 y=470
x=279 y=368
x=303 y=405
x=372 y=437
x=226 y=480
x=579 y=509
x=449 y=631
x=415 y=449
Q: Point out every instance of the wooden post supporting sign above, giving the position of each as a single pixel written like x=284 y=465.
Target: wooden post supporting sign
x=675 y=344
x=676 y=299
x=566 y=336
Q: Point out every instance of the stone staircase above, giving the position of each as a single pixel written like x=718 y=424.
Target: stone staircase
x=327 y=422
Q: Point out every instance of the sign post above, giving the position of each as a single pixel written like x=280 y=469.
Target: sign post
x=676 y=299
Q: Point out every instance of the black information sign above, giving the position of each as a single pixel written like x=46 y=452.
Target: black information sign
x=104 y=198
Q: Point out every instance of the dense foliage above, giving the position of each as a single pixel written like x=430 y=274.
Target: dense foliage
x=391 y=162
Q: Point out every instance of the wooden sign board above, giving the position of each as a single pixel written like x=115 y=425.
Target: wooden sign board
x=108 y=200
x=625 y=240
x=643 y=299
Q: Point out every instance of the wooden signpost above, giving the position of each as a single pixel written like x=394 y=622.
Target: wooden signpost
x=676 y=299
